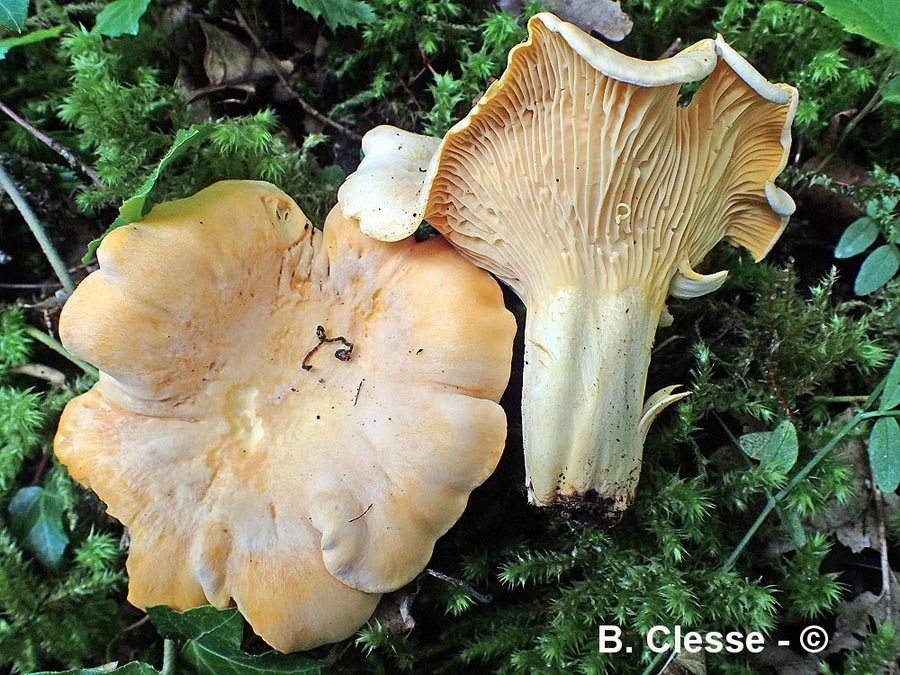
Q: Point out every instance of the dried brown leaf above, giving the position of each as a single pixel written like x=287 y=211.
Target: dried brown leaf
x=603 y=16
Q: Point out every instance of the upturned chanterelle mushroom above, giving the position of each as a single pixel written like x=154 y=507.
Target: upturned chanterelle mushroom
x=579 y=180
x=285 y=418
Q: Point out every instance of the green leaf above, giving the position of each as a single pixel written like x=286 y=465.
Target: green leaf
x=36 y=515
x=212 y=644
x=132 y=209
x=884 y=453
x=338 y=12
x=13 y=14
x=210 y=658
x=890 y=396
x=225 y=625
x=776 y=449
x=858 y=236
x=121 y=17
x=878 y=20
x=133 y=668
x=29 y=38
x=877 y=269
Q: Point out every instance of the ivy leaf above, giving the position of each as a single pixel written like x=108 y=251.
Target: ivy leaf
x=884 y=453
x=36 y=515
x=858 y=236
x=890 y=396
x=132 y=209
x=29 y=38
x=338 y=12
x=227 y=626
x=213 y=644
x=878 y=20
x=877 y=269
x=776 y=449
x=13 y=14
x=121 y=17
x=133 y=668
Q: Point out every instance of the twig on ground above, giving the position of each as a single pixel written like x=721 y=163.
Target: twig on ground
x=37 y=229
x=307 y=107
x=886 y=571
x=137 y=624
x=409 y=92
x=31 y=287
x=890 y=72
x=672 y=49
x=54 y=145
x=480 y=597
x=48 y=341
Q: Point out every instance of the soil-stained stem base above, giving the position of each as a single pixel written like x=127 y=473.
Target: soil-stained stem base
x=586 y=360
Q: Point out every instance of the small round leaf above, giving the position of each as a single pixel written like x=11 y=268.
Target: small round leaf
x=877 y=269
x=776 y=449
x=884 y=453
x=858 y=236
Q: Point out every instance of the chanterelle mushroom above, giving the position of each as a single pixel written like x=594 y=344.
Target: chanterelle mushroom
x=285 y=417
x=580 y=181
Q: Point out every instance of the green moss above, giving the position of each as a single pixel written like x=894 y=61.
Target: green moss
x=69 y=614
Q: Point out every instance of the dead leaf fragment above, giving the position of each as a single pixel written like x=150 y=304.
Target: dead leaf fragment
x=603 y=16
x=227 y=60
x=686 y=664
x=394 y=610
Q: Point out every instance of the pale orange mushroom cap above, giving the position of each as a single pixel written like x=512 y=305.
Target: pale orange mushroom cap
x=299 y=494
x=581 y=181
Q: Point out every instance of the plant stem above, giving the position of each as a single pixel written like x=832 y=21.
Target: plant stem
x=785 y=491
x=48 y=341
x=279 y=72
x=168 y=666
x=37 y=229
x=839 y=399
x=54 y=145
x=890 y=72
x=773 y=502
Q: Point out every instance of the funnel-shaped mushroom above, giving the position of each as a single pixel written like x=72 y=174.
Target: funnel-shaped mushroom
x=579 y=180
x=285 y=418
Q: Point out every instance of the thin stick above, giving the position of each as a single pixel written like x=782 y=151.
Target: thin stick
x=772 y=502
x=136 y=624
x=309 y=109
x=839 y=399
x=671 y=50
x=54 y=145
x=31 y=287
x=885 y=564
x=892 y=71
x=48 y=341
x=35 y=225
x=459 y=583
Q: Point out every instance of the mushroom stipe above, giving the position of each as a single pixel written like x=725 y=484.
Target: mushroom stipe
x=580 y=180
